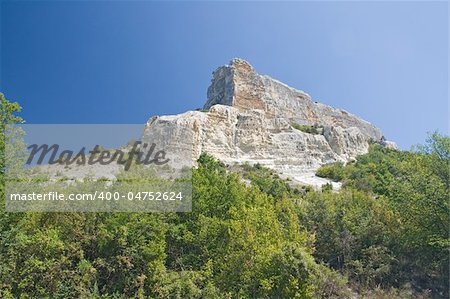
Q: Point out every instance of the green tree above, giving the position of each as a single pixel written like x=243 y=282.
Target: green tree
x=8 y=116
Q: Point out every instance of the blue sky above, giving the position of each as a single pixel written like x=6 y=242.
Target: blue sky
x=122 y=62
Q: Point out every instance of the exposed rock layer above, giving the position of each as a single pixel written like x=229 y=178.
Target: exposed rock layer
x=238 y=85
x=250 y=119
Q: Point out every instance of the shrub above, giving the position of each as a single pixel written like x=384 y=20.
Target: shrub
x=333 y=171
x=307 y=129
x=327 y=187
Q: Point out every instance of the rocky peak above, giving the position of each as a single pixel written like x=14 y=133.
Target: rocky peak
x=238 y=85
x=256 y=119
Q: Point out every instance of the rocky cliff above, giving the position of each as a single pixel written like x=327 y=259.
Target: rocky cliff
x=256 y=119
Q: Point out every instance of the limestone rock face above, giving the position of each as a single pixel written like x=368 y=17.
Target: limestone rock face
x=251 y=118
x=238 y=85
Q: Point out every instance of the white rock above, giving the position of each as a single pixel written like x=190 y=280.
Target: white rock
x=250 y=120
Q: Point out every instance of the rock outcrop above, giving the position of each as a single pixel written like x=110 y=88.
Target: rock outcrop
x=256 y=119
x=238 y=85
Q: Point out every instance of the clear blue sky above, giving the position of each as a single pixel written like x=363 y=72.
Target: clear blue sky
x=122 y=62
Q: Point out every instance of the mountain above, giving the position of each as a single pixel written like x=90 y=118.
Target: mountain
x=252 y=118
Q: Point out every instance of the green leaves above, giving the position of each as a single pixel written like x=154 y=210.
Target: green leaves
x=250 y=235
x=401 y=227
x=8 y=117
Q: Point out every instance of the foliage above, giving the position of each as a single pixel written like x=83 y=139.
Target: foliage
x=249 y=235
x=268 y=182
x=307 y=129
x=8 y=116
x=333 y=171
x=414 y=189
x=236 y=242
x=351 y=229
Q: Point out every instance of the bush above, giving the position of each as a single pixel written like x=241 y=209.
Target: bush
x=267 y=181
x=333 y=171
x=307 y=129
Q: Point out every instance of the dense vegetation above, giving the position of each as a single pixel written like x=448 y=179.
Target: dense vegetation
x=249 y=235
x=409 y=193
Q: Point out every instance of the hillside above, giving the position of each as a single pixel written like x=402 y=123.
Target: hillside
x=249 y=235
